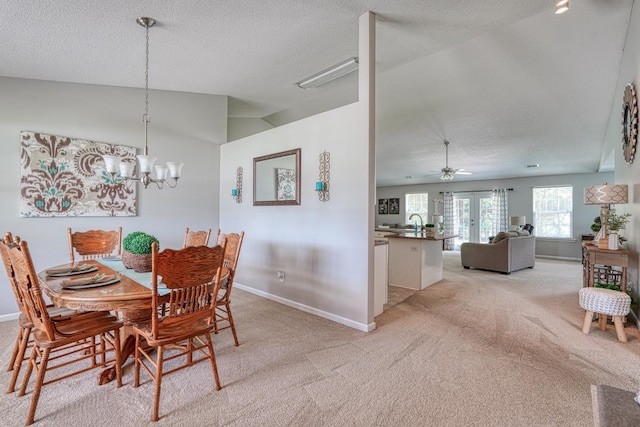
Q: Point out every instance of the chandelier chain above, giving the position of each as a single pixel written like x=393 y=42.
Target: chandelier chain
x=146 y=80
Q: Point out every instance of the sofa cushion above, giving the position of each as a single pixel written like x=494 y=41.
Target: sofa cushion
x=508 y=234
x=500 y=236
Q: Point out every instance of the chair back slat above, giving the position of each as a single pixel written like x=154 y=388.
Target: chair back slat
x=94 y=244
x=192 y=276
x=29 y=286
x=231 y=256
x=196 y=238
x=11 y=275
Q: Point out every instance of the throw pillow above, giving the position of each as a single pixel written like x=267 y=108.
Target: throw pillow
x=500 y=236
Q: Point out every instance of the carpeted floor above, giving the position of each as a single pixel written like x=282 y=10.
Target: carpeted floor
x=477 y=349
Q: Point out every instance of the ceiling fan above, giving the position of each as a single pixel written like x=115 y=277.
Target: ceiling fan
x=447 y=172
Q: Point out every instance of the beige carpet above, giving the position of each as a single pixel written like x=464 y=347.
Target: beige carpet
x=477 y=349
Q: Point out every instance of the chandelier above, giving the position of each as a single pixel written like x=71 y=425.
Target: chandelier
x=115 y=166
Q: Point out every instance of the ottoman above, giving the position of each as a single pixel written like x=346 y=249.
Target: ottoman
x=605 y=302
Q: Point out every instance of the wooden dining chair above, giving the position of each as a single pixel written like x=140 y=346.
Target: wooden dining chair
x=190 y=282
x=196 y=238
x=94 y=244
x=23 y=340
x=224 y=318
x=84 y=341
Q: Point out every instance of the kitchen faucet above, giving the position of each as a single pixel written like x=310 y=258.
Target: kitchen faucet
x=421 y=222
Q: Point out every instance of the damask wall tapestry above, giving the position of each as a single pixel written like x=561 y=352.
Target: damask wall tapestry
x=286 y=183
x=63 y=177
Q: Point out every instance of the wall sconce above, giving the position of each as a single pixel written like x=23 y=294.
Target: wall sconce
x=237 y=192
x=322 y=185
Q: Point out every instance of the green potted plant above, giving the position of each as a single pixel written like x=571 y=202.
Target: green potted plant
x=615 y=223
x=136 y=251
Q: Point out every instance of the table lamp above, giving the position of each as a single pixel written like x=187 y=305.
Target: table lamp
x=605 y=195
x=518 y=221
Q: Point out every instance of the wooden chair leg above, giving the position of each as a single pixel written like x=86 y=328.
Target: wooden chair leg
x=158 y=381
x=136 y=375
x=19 y=358
x=27 y=375
x=233 y=326
x=41 y=371
x=16 y=348
x=118 y=357
x=214 y=365
x=602 y=322
x=586 y=325
x=617 y=321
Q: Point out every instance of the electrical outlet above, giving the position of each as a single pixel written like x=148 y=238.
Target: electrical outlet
x=281 y=276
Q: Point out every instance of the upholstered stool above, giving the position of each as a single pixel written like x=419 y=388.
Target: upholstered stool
x=605 y=302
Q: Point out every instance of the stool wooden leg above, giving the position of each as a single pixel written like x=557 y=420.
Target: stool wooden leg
x=617 y=321
x=602 y=322
x=586 y=325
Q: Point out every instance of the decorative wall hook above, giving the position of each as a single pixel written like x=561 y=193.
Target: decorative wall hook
x=322 y=185
x=237 y=192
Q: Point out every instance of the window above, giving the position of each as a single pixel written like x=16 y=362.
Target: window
x=553 y=211
x=417 y=203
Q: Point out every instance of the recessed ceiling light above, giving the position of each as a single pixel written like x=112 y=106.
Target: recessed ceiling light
x=533 y=165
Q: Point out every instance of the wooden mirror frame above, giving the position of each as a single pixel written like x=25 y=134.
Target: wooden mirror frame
x=266 y=177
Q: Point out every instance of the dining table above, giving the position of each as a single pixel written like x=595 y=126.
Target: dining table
x=130 y=296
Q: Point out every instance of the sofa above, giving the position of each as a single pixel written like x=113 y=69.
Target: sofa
x=508 y=251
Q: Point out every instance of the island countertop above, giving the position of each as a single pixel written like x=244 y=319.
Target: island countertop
x=420 y=236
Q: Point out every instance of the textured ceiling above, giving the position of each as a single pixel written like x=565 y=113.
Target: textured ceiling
x=509 y=83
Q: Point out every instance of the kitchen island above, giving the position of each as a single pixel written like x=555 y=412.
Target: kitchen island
x=415 y=259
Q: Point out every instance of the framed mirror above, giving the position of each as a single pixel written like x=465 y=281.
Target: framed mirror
x=276 y=179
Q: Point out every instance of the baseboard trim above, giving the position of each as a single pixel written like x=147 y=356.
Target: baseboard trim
x=559 y=258
x=311 y=310
x=9 y=317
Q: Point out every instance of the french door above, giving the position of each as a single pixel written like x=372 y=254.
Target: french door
x=472 y=217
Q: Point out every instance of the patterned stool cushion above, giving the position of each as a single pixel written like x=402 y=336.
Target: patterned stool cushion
x=605 y=301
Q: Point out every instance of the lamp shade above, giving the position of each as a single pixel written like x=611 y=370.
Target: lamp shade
x=606 y=194
x=112 y=163
x=126 y=169
x=518 y=220
x=175 y=169
x=437 y=219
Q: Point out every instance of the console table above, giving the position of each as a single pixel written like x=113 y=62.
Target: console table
x=594 y=256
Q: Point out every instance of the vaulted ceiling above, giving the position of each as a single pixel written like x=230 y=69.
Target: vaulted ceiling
x=508 y=83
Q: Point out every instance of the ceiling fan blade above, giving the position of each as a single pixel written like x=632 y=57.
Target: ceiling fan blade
x=463 y=173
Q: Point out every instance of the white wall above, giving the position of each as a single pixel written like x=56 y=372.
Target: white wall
x=628 y=173
x=241 y=127
x=322 y=247
x=520 y=203
x=184 y=127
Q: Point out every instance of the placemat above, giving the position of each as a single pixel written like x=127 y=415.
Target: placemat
x=143 y=278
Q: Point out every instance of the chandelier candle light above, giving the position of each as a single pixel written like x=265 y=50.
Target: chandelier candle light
x=114 y=165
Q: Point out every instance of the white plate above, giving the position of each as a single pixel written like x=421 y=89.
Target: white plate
x=73 y=273
x=92 y=285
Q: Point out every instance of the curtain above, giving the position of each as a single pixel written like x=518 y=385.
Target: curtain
x=449 y=225
x=501 y=210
